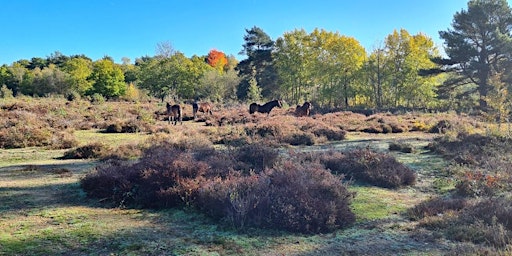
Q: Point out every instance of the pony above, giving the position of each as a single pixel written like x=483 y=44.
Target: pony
x=204 y=107
x=174 y=112
x=265 y=108
x=303 y=110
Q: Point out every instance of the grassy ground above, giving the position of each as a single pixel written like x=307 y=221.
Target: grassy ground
x=43 y=211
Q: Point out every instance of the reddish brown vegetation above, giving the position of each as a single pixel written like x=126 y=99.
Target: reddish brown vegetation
x=247 y=186
x=367 y=166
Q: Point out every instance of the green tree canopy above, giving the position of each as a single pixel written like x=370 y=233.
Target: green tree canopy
x=478 y=45
x=107 y=78
x=79 y=70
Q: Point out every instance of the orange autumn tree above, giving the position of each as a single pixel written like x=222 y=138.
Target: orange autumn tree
x=217 y=59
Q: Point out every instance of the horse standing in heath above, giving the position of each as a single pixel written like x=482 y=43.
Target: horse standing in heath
x=174 y=112
x=265 y=108
x=204 y=107
x=303 y=110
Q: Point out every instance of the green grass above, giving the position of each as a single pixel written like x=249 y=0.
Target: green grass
x=373 y=203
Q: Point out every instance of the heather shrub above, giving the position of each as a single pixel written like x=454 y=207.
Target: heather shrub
x=305 y=197
x=330 y=133
x=264 y=130
x=128 y=126
x=255 y=157
x=401 y=146
x=235 y=199
x=436 y=206
x=475 y=183
x=484 y=222
x=481 y=163
x=114 y=182
x=364 y=165
x=19 y=129
x=298 y=196
x=299 y=138
x=63 y=140
x=114 y=128
x=291 y=196
x=164 y=176
x=92 y=150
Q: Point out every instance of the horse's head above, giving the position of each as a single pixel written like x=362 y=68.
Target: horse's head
x=279 y=104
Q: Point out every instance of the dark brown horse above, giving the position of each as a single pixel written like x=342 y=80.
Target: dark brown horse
x=204 y=107
x=174 y=112
x=303 y=110
x=265 y=108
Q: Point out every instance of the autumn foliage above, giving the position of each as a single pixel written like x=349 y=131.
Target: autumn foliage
x=217 y=59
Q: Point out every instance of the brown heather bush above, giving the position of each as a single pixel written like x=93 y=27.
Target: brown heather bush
x=256 y=157
x=63 y=140
x=345 y=120
x=285 y=195
x=436 y=206
x=401 y=146
x=290 y=196
x=19 y=129
x=93 y=150
x=307 y=198
x=364 y=165
x=472 y=149
x=482 y=164
x=299 y=138
x=484 y=221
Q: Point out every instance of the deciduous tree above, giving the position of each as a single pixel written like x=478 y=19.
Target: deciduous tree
x=107 y=78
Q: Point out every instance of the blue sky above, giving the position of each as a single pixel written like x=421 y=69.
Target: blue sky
x=129 y=28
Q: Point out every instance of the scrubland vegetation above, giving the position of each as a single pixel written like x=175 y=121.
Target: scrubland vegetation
x=249 y=180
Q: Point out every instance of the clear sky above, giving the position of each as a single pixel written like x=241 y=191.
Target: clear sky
x=132 y=29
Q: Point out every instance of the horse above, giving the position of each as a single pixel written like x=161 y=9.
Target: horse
x=174 y=112
x=303 y=110
x=265 y=108
x=204 y=107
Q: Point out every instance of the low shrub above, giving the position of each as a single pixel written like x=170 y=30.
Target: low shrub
x=436 y=206
x=63 y=140
x=486 y=222
x=288 y=195
x=475 y=183
x=307 y=198
x=364 y=165
x=299 y=138
x=330 y=133
x=255 y=157
x=93 y=150
x=401 y=146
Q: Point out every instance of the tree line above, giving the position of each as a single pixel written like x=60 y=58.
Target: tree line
x=327 y=68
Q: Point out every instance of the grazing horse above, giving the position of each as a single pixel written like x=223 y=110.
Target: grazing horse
x=204 y=107
x=265 y=108
x=174 y=112
x=303 y=110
